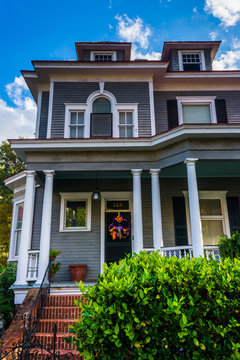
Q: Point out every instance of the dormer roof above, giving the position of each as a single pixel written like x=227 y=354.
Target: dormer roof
x=189 y=45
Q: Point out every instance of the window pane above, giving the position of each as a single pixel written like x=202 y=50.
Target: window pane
x=80 y=130
x=73 y=118
x=17 y=241
x=211 y=230
x=102 y=106
x=196 y=114
x=129 y=118
x=129 y=131
x=76 y=214
x=122 y=117
x=72 y=132
x=210 y=207
x=122 y=131
x=81 y=117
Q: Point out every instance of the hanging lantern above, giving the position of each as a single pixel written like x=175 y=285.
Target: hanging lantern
x=96 y=195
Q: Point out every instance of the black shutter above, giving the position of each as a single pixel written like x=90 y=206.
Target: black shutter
x=233 y=205
x=221 y=111
x=180 y=221
x=172 y=114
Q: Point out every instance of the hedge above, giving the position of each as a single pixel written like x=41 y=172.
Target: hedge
x=152 y=307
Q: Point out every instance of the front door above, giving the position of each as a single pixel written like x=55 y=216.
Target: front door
x=117 y=235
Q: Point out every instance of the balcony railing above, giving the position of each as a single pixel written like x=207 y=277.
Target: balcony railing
x=32 y=270
x=212 y=252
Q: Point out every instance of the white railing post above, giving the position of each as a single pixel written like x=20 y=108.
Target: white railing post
x=137 y=211
x=46 y=225
x=195 y=218
x=26 y=234
x=156 y=210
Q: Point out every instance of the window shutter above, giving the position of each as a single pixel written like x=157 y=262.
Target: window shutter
x=180 y=221
x=233 y=204
x=221 y=111
x=172 y=114
x=101 y=125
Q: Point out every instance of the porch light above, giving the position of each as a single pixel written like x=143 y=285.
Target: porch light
x=96 y=195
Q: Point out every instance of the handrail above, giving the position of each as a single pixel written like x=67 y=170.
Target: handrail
x=33 y=316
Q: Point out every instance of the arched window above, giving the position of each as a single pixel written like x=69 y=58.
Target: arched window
x=101 y=118
x=101 y=106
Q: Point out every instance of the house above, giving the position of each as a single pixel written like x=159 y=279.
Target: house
x=127 y=155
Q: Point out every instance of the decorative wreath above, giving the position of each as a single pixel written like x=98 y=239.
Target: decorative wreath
x=119 y=227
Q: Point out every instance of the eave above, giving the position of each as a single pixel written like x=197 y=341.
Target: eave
x=23 y=146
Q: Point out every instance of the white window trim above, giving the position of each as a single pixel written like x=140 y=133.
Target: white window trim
x=70 y=108
x=93 y=53
x=196 y=100
x=12 y=247
x=201 y=52
x=79 y=196
x=87 y=108
x=219 y=195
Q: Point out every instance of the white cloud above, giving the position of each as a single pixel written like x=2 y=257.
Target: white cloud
x=213 y=35
x=17 y=120
x=236 y=43
x=195 y=10
x=227 y=11
x=137 y=54
x=133 y=30
x=230 y=60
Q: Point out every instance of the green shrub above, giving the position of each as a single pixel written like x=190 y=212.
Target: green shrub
x=152 y=307
x=229 y=247
x=7 y=308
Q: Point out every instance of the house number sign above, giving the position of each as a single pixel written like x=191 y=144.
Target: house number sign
x=118 y=205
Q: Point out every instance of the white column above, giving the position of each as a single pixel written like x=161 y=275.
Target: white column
x=46 y=225
x=137 y=211
x=26 y=233
x=194 y=209
x=156 y=210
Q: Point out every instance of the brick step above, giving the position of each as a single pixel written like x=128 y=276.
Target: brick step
x=44 y=355
x=60 y=312
x=47 y=339
x=47 y=325
x=62 y=300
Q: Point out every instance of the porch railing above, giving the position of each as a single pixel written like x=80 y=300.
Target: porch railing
x=212 y=252
x=178 y=251
x=32 y=270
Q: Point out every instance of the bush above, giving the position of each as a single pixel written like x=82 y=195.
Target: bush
x=229 y=247
x=7 y=308
x=152 y=307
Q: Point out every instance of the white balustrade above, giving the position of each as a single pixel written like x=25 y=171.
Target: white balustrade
x=178 y=251
x=32 y=269
x=212 y=252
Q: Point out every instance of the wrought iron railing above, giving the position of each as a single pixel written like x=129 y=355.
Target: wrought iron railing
x=32 y=350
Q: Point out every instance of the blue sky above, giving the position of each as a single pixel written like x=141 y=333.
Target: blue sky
x=47 y=30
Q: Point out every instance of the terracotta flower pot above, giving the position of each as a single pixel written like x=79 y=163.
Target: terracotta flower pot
x=78 y=272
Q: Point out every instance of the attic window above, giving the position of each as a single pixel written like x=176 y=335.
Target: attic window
x=103 y=56
x=191 y=60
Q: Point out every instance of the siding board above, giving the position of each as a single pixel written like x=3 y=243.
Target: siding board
x=43 y=115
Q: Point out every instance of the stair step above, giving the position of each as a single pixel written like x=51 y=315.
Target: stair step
x=62 y=300
x=47 y=325
x=47 y=339
x=60 y=312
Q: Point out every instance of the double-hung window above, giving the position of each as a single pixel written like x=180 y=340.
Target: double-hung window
x=16 y=230
x=191 y=60
x=196 y=110
x=75 y=212
x=76 y=124
x=126 y=125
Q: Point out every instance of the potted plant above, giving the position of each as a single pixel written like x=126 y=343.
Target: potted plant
x=78 y=272
x=54 y=268
x=53 y=253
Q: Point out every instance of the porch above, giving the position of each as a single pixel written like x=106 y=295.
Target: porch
x=169 y=210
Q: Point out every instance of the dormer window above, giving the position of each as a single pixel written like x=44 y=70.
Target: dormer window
x=103 y=56
x=191 y=60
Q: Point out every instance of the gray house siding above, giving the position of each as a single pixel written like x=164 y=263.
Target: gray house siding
x=208 y=60
x=42 y=134
x=68 y=92
x=232 y=99
x=77 y=92
x=134 y=92
x=86 y=55
x=120 y=55
x=37 y=219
